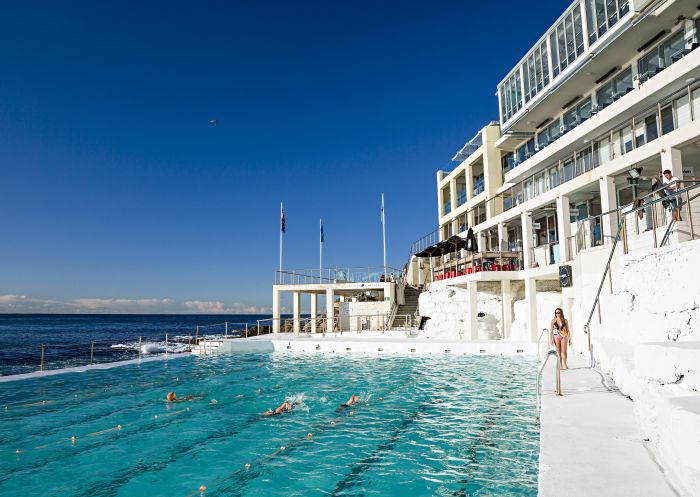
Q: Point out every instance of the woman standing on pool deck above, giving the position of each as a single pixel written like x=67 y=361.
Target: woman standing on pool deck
x=559 y=334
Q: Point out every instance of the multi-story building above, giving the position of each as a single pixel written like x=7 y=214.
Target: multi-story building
x=605 y=100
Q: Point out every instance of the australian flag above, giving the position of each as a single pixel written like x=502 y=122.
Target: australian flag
x=282 y=223
x=321 y=231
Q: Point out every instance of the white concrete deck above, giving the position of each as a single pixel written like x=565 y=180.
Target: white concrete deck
x=374 y=342
x=591 y=442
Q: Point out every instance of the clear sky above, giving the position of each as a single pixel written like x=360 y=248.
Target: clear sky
x=117 y=194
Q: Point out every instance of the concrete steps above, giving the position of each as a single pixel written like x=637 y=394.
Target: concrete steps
x=409 y=307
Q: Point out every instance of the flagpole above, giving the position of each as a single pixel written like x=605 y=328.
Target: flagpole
x=386 y=276
x=320 y=252
x=281 y=231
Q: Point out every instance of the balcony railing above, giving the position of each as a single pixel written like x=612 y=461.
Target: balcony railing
x=372 y=274
x=659 y=119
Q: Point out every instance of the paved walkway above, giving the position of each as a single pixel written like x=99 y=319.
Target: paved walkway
x=591 y=443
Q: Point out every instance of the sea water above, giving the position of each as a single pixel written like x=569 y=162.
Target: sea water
x=431 y=425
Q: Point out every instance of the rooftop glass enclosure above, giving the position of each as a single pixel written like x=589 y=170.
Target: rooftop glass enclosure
x=562 y=45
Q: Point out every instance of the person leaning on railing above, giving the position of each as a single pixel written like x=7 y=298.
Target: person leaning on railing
x=671 y=184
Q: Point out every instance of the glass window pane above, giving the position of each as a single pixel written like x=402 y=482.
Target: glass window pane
x=603 y=151
x=605 y=95
x=518 y=91
x=639 y=133
x=682 y=111
x=554 y=51
x=578 y=30
x=652 y=130
x=562 y=46
x=590 y=19
x=526 y=82
x=667 y=119
x=601 y=18
x=570 y=45
x=673 y=48
x=616 y=144
x=584 y=110
x=545 y=63
x=696 y=103
x=626 y=134
x=538 y=70
x=612 y=12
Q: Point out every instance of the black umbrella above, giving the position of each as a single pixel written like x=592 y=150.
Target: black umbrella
x=471 y=245
x=454 y=243
x=431 y=251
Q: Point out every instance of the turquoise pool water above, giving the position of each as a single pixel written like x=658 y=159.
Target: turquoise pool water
x=454 y=426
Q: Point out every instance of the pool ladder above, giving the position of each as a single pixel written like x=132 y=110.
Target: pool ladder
x=557 y=377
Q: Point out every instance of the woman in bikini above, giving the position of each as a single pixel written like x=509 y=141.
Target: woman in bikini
x=559 y=335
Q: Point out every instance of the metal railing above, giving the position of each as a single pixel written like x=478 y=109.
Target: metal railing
x=354 y=323
x=369 y=274
x=557 y=378
x=623 y=236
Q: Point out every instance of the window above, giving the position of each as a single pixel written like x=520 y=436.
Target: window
x=602 y=15
x=618 y=86
x=667 y=123
x=549 y=134
x=479 y=214
x=535 y=71
x=566 y=40
x=508 y=162
x=682 y=108
x=584 y=161
x=511 y=96
x=525 y=151
x=662 y=56
x=554 y=179
x=478 y=184
x=577 y=115
x=568 y=169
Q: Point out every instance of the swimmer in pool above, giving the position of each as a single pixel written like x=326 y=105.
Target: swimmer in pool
x=354 y=399
x=171 y=397
x=285 y=407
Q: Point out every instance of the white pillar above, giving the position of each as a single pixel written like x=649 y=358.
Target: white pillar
x=671 y=159
x=329 y=309
x=608 y=202
x=275 y=309
x=314 y=307
x=502 y=237
x=507 y=302
x=563 y=227
x=471 y=293
x=526 y=220
x=531 y=306
x=296 y=310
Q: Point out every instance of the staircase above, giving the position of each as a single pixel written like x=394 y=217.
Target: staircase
x=409 y=307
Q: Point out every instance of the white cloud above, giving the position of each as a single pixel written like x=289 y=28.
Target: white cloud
x=24 y=304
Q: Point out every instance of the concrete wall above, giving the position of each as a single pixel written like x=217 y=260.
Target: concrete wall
x=374 y=312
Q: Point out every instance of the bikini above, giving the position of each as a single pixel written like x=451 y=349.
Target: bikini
x=560 y=330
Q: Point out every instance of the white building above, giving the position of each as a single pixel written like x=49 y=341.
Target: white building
x=607 y=99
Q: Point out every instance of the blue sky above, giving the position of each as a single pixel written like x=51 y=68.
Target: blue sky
x=118 y=195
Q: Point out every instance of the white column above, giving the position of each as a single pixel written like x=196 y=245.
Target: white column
x=563 y=227
x=296 y=310
x=471 y=293
x=671 y=159
x=329 y=309
x=502 y=236
x=526 y=221
x=531 y=306
x=507 y=302
x=275 y=309
x=314 y=307
x=608 y=202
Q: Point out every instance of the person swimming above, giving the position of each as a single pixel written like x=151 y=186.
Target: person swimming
x=354 y=399
x=285 y=407
x=171 y=397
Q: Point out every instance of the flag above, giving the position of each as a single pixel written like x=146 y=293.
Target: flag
x=282 y=223
x=382 y=208
x=321 y=231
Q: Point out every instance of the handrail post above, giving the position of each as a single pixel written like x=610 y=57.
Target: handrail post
x=196 y=336
x=226 y=329
x=166 y=345
x=690 y=214
x=139 y=348
x=41 y=364
x=558 y=378
x=92 y=350
x=246 y=330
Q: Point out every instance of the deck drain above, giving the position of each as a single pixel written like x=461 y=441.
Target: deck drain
x=482 y=351
x=347 y=348
x=380 y=349
x=519 y=351
x=413 y=350
x=289 y=346
x=447 y=351
x=318 y=347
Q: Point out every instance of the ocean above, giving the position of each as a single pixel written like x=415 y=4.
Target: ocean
x=68 y=338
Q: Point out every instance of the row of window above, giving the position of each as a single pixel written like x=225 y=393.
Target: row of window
x=562 y=45
x=662 y=56
x=622 y=140
x=601 y=15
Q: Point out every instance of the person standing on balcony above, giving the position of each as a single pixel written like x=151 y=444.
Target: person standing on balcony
x=559 y=335
x=671 y=184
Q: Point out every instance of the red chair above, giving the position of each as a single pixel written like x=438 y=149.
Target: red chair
x=477 y=269
x=495 y=267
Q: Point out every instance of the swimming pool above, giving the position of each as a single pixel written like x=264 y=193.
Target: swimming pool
x=459 y=426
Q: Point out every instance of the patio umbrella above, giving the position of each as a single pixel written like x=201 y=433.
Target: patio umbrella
x=472 y=245
x=431 y=251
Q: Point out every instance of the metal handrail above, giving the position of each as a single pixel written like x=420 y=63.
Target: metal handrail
x=557 y=378
x=620 y=231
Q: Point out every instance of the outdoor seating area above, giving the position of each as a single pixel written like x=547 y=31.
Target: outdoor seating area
x=478 y=262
